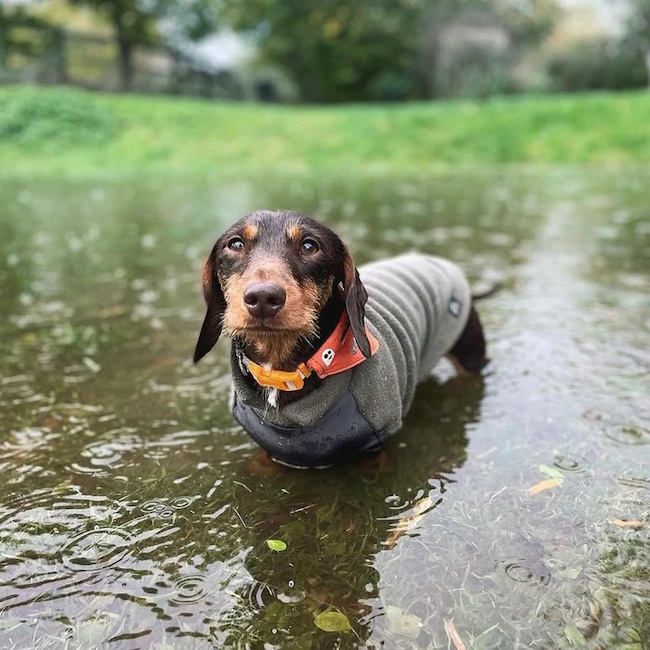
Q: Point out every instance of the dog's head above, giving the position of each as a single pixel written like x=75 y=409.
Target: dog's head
x=267 y=279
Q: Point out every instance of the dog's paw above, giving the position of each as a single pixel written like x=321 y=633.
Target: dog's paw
x=263 y=465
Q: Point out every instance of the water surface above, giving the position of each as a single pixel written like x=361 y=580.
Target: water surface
x=512 y=511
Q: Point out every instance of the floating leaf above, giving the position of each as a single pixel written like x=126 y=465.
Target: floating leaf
x=332 y=622
x=544 y=485
x=621 y=523
x=409 y=522
x=276 y=545
x=399 y=622
x=91 y=364
x=551 y=472
x=574 y=635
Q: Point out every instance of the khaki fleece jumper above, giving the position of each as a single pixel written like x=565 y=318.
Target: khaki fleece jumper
x=417 y=308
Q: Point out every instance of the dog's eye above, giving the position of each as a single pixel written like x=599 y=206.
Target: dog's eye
x=309 y=246
x=236 y=244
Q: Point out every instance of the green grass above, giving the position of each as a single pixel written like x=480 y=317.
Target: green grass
x=65 y=132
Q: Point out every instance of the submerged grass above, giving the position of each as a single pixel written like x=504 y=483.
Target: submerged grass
x=61 y=132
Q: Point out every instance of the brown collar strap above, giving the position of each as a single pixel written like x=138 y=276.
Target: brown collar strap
x=339 y=353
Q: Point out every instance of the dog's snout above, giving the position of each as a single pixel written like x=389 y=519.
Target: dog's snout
x=264 y=299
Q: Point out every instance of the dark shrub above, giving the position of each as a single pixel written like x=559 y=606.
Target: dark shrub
x=597 y=65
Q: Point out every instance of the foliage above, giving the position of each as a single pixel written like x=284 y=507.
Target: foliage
x=136 y=23
x=336 y=51
x=31 y=118
x=597 y=65
x=638 y=24
x=475 y=72
x=385 y=50
x=602 y=64
x=96 y=134
x=462 y=64
x=528 y=21
x=637 y=36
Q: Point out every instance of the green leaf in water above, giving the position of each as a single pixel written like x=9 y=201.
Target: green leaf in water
x=551 y=472
x=276 y=545
x=332 y=622
x=401 y=623
x=574 y=635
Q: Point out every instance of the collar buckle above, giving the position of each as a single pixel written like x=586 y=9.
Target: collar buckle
x=280 y=379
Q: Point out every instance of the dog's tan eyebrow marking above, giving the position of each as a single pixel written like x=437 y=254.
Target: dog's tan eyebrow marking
x=250 y=231
x=294 y=232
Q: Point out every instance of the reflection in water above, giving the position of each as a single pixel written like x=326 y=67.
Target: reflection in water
x=135 y=513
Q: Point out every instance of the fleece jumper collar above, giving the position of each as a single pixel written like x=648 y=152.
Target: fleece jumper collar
x=338 y=353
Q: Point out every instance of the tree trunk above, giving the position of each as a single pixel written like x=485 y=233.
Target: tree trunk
x=4 y=38
x=124 y=49
x=428 y=59
x=59 y=56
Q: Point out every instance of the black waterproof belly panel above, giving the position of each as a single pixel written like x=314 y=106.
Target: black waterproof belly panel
x=340 y=434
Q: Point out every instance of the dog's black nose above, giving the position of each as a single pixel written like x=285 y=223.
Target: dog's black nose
x=264 y=299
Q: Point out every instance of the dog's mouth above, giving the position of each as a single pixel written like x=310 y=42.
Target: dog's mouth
x=265 y=325
x=263 y=328
x=273 y=344
x=279 y=326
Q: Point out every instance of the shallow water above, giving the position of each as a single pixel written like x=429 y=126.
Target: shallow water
x=135 y=513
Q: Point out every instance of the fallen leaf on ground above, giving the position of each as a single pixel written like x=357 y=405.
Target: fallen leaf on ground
x=401 y=623
x=621 y=523
x=551 y=472
x=409 y=522
x=574 y=635
x=545 y=485
x=453 y=635
x=276 y=545
x=332 y=622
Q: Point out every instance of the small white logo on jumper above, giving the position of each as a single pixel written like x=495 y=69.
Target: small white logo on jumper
x=455 y=307
x=327 y=357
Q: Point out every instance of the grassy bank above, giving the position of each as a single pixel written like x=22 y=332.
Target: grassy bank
x=65 y=132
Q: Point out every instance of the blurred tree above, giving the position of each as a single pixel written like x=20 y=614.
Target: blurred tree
x=527 y=21
x=338 y=50
x=597 y=65
x=3 y=35
x=637 y=36
x=521 y=23
x=137 y=22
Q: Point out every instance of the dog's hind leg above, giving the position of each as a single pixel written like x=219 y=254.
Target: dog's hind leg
x=468 y=353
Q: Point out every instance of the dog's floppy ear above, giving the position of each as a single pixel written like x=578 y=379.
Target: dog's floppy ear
x=356 y=297
x=216 y=305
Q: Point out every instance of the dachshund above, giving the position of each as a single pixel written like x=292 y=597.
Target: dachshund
x=325 y=357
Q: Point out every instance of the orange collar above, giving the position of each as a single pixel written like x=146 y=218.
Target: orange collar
x=338 y=354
